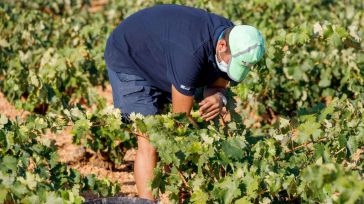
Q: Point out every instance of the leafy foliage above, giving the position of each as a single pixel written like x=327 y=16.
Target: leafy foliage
x=308 y=60
x=50 y=61
x=30 y=172
x=315 y=157
x=102 y=131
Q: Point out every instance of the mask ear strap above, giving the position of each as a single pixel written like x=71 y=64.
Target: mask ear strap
x=220 y=36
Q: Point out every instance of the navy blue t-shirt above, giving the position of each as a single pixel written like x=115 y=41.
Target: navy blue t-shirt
x=168 y=44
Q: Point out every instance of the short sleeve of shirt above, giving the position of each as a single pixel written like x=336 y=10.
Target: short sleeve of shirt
x=183 y=70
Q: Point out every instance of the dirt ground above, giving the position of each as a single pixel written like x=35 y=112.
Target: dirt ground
x=74 y=155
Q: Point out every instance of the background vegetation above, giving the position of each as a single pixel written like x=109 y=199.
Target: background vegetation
x=296 y=132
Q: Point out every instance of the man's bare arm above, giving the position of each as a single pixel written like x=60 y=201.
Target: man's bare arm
x=181 y=103
x=220 y=83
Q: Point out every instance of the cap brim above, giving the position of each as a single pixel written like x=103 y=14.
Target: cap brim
x=236 y=70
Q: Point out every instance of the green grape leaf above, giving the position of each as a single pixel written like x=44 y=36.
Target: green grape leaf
x=234 y=147
x=199 y=196
x=3 y=121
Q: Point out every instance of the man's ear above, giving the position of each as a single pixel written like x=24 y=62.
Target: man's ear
x=222 y=45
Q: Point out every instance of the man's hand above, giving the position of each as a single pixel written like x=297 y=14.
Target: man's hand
x=211 y=106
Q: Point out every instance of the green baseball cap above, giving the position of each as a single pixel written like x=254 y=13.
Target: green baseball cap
x=247 y=48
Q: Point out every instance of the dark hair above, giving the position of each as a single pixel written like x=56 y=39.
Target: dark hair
x=226 y=37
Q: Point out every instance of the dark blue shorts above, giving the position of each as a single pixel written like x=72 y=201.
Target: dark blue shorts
x=132 y=93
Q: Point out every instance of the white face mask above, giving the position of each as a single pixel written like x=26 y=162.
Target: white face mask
x=223 y=66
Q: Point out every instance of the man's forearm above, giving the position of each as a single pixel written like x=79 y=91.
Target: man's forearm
x=181 y=103
x=219 y=85
x=208 y=91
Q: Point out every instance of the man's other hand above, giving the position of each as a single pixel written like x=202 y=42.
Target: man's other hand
x=211 y=106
